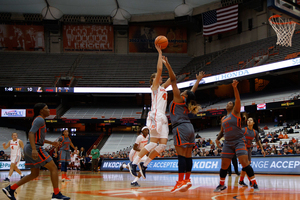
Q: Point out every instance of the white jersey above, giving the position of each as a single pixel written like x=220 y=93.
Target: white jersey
x=159 y=100
x=141 y=141
x=15 y=148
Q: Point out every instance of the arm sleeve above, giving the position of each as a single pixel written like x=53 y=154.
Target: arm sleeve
x=37 y=124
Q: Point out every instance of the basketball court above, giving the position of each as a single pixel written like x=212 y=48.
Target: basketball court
x=116 y=185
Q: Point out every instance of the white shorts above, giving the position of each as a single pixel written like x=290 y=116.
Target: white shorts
x=15 y=159
x=133 y=154
x=158 y=125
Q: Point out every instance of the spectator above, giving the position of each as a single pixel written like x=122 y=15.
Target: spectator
x=286 y=152
x=269 y=135
x=297 y=126
x=273 y=140
x=266 y=140
x=291 y=130
x=280 y=135
x=279 y=153
x=1 y=154
x=216 y=153
x=290 y=150
x=198 y=136
x=285 y=136
x=266 y=127
x=298 y=151
x=207 y=153
x=82 y=155
x=88 y=163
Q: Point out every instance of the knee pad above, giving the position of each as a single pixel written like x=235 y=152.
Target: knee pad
x=189 y=164
x=249 y=171
x=223 y=173
x=160 y=148
x=150 y=146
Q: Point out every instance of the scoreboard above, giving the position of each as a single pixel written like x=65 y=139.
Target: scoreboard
x=40 y=89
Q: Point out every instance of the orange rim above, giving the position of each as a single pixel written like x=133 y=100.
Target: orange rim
x=280 y=23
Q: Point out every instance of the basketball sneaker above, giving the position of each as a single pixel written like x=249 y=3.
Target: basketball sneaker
x=178 y=186
x=242 y=183
x=121 y=167
x=59 y=196
x=132 y=169
x=6 y=180
x=9 y=192
x=142 y=169
x=255 y=186
x=187 y=184
x=135 y=184
x=220 y=188
x=65 y=179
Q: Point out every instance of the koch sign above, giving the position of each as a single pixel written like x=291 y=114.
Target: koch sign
x=264 y=165
x=13 y=113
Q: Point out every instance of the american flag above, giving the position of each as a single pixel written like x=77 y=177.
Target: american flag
x=220 y=20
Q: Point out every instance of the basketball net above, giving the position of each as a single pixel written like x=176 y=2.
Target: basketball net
x=284 y=29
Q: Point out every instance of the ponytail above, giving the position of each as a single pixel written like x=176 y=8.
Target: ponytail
x=191 y=103
x=151 y=78
x=194 y=107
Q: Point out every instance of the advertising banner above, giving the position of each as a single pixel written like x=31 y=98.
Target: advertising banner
x=88 y=38
x=21 y=38
x=5 y=165
x=13 y=113
x=141 y=39
x=264 y=165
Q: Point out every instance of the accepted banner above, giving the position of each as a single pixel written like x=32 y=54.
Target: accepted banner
x=88 y=38
x=5 y=165
x=263 y=165
x=141 y=39
x=21 y=38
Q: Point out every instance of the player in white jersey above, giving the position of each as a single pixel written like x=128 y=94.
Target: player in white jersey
x=16 y=145
x=157 y=121
x=140 y=142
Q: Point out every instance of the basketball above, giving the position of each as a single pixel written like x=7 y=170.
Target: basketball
x=162 y=41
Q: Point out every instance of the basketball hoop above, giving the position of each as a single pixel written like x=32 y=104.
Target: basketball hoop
x=284 y=29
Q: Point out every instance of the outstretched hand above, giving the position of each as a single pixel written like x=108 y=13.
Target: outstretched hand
x=158 y=48
x=165 y=60
x=4 y=144
x=235 y=83
x=200 y=75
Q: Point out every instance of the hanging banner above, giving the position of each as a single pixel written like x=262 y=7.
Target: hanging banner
x=21 y=38
x=88 y=38
x=141 y=39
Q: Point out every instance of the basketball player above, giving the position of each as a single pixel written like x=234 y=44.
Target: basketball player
x=157 y=121
x=250 y=132
x=15 y=155
x=234 y=141
x=140 y=142
x=35 y=154
x=182 y=128
x=64 y=154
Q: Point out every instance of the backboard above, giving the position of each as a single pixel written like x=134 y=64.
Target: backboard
x=286 y=8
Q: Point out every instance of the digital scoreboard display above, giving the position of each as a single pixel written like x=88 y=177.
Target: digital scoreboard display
x=40 y=89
